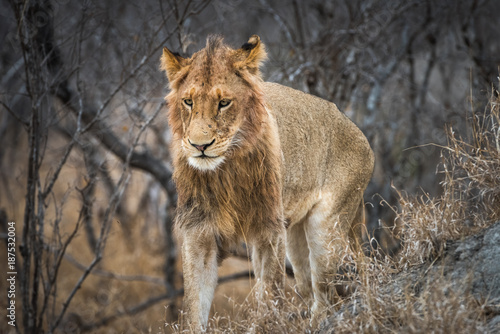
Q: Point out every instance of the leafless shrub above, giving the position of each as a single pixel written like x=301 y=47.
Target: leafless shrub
x=471 y=191
x=391 y=65
x=479 y=159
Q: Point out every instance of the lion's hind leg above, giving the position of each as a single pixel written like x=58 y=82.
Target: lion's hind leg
x=298 y=254
x=327 y=232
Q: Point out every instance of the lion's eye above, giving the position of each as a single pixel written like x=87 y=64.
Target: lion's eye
x=188 y=102
x=224 y=103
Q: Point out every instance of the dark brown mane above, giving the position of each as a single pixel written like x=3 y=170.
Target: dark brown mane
x=239 y=198
x=214 y=42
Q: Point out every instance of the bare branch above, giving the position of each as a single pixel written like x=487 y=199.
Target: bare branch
x=120 y=277
x=284 y=26
x=155 y=300
x=15 y=115
x=77 y=286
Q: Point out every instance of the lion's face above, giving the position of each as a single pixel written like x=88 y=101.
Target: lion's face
x=211 y=121
x=212 y=103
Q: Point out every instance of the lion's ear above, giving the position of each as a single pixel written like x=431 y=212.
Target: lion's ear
x=251 y=55
x=172 y=63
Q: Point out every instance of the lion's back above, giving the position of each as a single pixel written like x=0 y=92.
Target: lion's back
x=322 y=148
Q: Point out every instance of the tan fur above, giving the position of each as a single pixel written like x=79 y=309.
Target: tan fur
x=274 y=154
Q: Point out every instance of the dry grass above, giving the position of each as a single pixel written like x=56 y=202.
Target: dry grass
x=435 y=309
x=283 y=314
x=471 y=191
x=408 y=302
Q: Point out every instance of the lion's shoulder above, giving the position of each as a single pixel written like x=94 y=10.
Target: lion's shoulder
x=296 y=111
x=314 y=136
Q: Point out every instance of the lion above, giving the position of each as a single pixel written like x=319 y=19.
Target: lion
x=260 y=163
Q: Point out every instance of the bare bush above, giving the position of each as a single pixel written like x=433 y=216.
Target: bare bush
x=471 y=191
x=85 y=167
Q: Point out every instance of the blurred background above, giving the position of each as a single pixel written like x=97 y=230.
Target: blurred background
x=84 y=155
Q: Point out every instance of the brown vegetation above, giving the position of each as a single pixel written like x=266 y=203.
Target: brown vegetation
x=85 y=168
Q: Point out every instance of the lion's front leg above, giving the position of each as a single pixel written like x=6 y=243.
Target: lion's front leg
x=268 y=259
x=199 y=257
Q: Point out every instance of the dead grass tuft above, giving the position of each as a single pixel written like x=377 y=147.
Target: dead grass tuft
x=471 y=191
x=283 y=314
x=437 y=308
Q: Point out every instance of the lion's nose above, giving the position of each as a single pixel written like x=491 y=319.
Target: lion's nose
x=201 y=147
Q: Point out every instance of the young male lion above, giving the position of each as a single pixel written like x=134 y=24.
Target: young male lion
x=252 y=160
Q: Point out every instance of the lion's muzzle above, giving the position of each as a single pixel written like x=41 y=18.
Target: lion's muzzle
x=201 y=147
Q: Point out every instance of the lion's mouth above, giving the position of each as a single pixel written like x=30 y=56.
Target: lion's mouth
x=205 y=162
x=204 y=156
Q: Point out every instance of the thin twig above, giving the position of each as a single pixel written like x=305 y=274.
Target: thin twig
x=77 y=286
x=120 y=277
x=13 y=114
x=154 y=300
